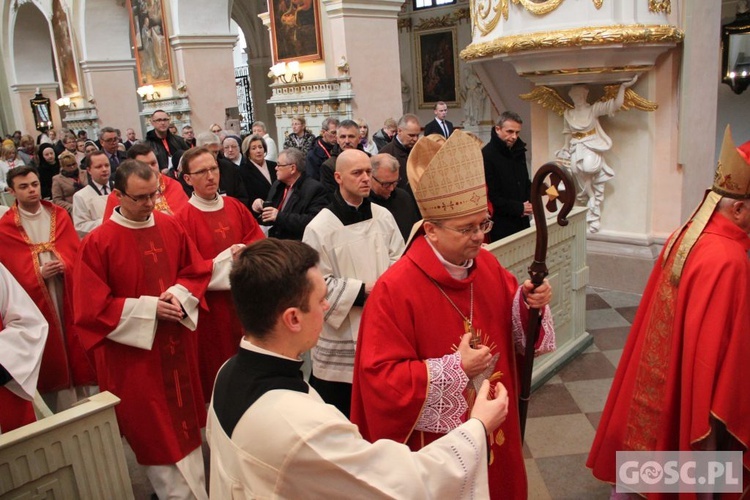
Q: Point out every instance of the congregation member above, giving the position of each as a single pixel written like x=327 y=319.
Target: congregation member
x=69 y=181
x=368 y=145
x=139 y=279
x=48 y=166
x=110 y=145
x=678 y=383
x=357 y=241
x=416 y=373
x=90 y=201
x=259 y=172
x=232 y=148
x=407 y=134
x=508 y=183
x=163 y=142
x=299 y=137
x=26 y=151
x=170 y=196
x=385 y=134
x=386 y=193
x=322 y=148
x=39 y=246
x=216 y=224
x=272 y=151
x=347 y=137
x=9 y=159
x=270 y=434
x=439 y=125
x=293 y=200
x=188 y=134
x=130 y=138
x=23 y=333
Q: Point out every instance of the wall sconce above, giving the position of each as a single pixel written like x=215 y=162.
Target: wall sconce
x=65 y=103
x=147 y=93
x=41 y=111
x=286 y=73
x=735 y=50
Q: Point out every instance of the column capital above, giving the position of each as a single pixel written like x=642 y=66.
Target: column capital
x=387 y=9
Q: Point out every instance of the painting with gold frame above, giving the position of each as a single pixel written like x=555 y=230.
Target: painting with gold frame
x=148 y=30
x=66 y=61
x=295 y=30
x=437 y=67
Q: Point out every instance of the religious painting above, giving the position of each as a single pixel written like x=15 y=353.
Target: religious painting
x=437 y=67
x=148 y=30
x=66 y=62
x=295 y=30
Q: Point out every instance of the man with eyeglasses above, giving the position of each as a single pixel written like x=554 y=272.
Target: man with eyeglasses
x=220 y=226
x=110 y=142
x=163 y=142
x=170 y=196
x=322 y=147
x=407 y=134
x=445 y=318
x=357 y=241
x=386 y=193
x=139 y=281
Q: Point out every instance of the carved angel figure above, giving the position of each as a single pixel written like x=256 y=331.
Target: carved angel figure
x=585 y=140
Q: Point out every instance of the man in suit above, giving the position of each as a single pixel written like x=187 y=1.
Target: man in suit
x=294 y=199
x=131 y=138
x=110 y=143
x=439 y=125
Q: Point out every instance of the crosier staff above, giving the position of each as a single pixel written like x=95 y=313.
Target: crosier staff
x=538 y=269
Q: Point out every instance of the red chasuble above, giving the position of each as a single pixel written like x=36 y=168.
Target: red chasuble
x=162 y=408
x=219 y=330
x=173 y=198
x=407 y=320
x=64 y=362
x=687 y=357
x=14 y=410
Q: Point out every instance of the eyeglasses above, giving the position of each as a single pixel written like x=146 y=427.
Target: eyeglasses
x=387 y=185
x=160 y=120
x=110 y=140
x=203 y=172
x=282 y=165
x=144 y=197
x=483 y=228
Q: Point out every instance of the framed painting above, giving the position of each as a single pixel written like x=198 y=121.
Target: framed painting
x=148 y=31
x=66 y=61
x=437 y=67
x=295 y=30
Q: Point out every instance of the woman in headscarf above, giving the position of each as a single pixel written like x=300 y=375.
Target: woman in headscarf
x=67 y=182
x=48 y=166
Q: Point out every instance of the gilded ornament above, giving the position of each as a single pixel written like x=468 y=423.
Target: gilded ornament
x=598 y=4
x=443 y=21
x=537 y=7
x=549 y=99
x=660 y=6
x=576 y=37
x=487 y=14
x=588 y=71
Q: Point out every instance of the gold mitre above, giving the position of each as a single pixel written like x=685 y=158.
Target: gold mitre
x=732 y=178
x=448 y=178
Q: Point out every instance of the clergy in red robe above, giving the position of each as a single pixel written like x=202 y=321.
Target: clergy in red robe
x=216 y=224
x=171 y=197
x=416 y=371
x=679 y=382
x=39 y=246
x=23 y=331
x=139 y=279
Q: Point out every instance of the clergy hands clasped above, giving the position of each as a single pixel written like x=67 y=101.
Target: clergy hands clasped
x=538 y=298
x=52 y=268
x=491 y=405
x=168 y=308
x=473 y=361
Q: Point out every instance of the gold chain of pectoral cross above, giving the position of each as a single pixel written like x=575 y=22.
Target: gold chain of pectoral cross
x=476 y=335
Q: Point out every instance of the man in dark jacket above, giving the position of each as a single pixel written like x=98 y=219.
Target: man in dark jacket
x=322 y=148
x=347 y=137
x=294 y=199
x=162 y=141
x=507 y=177
x=406 y=137
x=385 y=193
x=385 y=134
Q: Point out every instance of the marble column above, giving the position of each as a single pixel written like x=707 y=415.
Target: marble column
x=261 y=91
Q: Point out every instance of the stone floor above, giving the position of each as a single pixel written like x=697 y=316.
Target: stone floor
x=563 y=413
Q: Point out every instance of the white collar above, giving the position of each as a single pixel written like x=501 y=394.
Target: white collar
x=246 y=344
x=207 y=205
x=457 y=272
x=123 y=221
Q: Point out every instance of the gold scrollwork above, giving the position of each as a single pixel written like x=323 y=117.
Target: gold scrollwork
x=486 y=14
x=576 y=37
x=443 y=21
x=660 y=6
x=538 y=7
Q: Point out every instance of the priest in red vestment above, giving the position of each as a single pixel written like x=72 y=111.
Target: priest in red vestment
x=171 y=197
x=138 y=282
x=39 y=245
x=678 y=386
x=417 y=369
x=23 y=331
x=217 y=224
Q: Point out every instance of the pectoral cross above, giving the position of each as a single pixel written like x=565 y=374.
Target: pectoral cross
x=476 y=335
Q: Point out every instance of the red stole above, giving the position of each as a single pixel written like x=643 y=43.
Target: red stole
x=219 y=330
x=64 y=363
x=404 y=325
x=173 y=198
x=162 y=408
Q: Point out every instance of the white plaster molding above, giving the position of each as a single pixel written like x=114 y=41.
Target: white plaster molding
x=388 y=9
x=627 y=238
x=316 y=90
x=265 y=18
x=31 y=87
x=178 y=105
x=107 y=65
x=202 y=41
